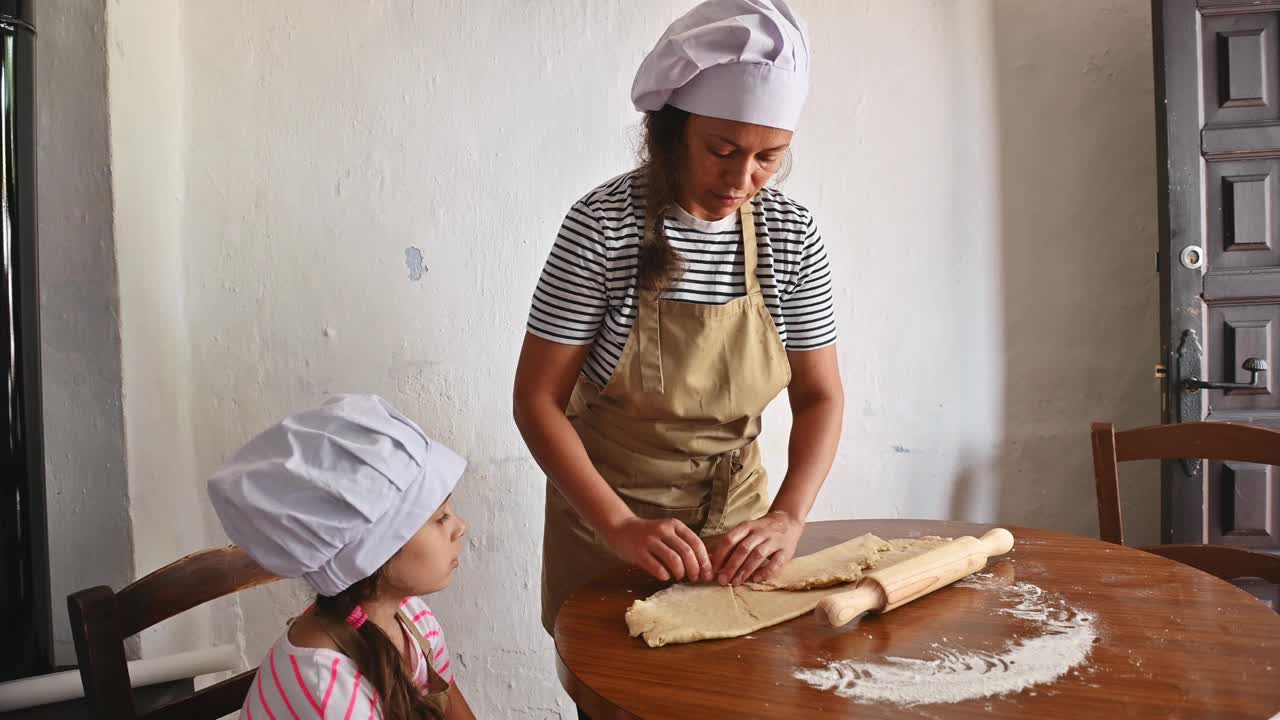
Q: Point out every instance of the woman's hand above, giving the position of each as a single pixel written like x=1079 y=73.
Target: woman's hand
x=755 y=550
x=666 y=549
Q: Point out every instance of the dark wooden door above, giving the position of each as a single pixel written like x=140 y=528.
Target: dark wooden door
x=1217 y=66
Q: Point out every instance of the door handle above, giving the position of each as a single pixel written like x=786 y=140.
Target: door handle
x=1253 y=366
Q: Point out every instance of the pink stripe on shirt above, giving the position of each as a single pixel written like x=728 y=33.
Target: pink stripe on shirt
x=275 y=677
x=263 y=698
x=355 y=694
x=297 y=675
x=333 y=678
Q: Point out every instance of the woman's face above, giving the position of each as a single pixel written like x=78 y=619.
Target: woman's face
x=426 y=562
x=725 y=162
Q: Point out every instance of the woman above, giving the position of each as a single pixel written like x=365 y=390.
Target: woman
x=678 y=301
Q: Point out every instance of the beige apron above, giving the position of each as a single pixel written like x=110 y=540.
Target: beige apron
x=674 y=430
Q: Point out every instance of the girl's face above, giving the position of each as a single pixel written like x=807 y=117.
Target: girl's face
x=725 y=163
x=426 y=562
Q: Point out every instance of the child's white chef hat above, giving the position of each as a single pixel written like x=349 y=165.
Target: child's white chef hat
x=332 y=493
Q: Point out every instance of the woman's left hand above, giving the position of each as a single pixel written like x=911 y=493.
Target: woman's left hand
x=755 y=550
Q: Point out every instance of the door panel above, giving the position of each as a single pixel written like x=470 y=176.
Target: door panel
x=1244 y=218
x=1236 y=51
x=1237 y=332
x=1245 y=496
x=1218 y=138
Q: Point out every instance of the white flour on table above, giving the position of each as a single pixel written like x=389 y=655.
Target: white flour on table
x=949 y=674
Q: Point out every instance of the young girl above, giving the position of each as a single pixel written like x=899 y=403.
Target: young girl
x=353 y=497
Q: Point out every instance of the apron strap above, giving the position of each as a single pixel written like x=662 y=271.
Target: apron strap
x=749 y=250
x=434 y=680
x=649 y=340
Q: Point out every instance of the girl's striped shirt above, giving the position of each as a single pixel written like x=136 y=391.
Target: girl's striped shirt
x=297 y=683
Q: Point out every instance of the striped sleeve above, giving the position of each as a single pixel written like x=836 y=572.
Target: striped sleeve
x=308 y=685
x=570 y=300
x=425 y=620
x=807 y=305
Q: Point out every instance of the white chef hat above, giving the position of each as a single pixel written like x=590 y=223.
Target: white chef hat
x=332 y=493
x=744 y=60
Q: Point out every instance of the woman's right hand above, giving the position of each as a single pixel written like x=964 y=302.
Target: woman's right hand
x=666 y=549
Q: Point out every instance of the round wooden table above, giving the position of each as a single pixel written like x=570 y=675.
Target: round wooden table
x=1171 y=642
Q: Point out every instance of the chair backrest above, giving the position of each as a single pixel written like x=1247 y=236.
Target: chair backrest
x=102 y=619
x=1205 y=440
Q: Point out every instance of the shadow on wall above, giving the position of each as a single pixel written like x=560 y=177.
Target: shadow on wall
x=1076 y=222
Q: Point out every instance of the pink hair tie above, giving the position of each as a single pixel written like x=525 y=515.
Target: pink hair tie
x=357 y=617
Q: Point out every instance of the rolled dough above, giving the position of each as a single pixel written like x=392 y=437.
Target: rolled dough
x=688 y=613
x=836 y=565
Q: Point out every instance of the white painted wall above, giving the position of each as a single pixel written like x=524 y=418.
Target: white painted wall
x=1077 y=241
x=148 y=150
x=86 y=483
x=983 y=171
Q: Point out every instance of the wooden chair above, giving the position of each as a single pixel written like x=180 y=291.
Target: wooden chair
x=102 y=619
x=1208 y=440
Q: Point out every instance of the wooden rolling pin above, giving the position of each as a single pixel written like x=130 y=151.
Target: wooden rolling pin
x=885 y=589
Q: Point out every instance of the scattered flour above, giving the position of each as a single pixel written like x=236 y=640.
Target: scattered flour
x=948 y=674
